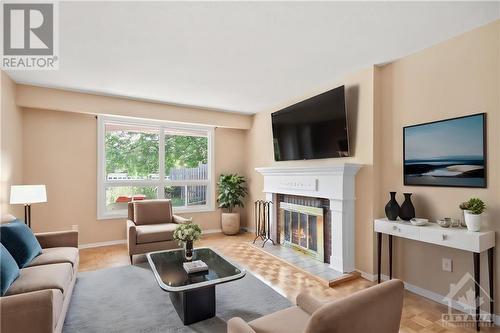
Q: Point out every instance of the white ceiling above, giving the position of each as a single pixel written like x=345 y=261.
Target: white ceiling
x=240 y=56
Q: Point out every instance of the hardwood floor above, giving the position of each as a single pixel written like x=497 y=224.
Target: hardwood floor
x=419 y=314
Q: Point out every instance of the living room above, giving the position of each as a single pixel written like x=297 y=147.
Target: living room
x=120 y=164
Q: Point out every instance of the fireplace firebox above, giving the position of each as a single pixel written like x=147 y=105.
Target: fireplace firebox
x=302 y=229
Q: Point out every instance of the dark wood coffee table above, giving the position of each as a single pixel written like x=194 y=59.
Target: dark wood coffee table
x=193 y=295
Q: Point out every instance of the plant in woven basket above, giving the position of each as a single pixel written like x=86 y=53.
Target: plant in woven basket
x=232 y=191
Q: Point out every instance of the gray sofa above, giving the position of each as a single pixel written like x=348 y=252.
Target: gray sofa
x=38 y=299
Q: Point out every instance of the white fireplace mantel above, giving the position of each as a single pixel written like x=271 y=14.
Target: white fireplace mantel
x=333 y=182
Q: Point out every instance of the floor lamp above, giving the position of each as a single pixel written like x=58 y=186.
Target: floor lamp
x=27 y=195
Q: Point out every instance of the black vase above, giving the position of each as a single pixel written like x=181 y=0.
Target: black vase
x=392 y=208
x=407 y=211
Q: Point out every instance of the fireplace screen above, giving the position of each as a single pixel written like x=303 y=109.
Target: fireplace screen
x=302 y=229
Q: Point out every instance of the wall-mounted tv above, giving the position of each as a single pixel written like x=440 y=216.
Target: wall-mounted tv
x=449 y=152
x=312 y=129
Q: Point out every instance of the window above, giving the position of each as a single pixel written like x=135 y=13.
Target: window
x=140 y=160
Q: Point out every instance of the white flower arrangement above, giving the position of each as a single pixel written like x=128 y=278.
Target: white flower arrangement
x=187 y=232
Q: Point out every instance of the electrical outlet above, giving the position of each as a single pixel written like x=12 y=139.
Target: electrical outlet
x=447 y=265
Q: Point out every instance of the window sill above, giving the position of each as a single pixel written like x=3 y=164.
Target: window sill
x=182 y=210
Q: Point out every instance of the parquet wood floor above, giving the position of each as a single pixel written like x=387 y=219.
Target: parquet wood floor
x=420 y=315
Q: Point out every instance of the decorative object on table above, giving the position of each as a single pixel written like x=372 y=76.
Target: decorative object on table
x=232 y=191
x=419 y=222
x=196 y=266
x=455 y=223
x=463 y=207
x=407 y=211
x=262 y=210
x=449 y=152
x=187 y=234
x=444 y=223
x=27 y=195
x=392 y=208
x=473 y=212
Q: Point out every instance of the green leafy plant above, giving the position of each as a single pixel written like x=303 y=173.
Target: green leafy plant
x=475 y=206
x=232 y=190
x=187 y=232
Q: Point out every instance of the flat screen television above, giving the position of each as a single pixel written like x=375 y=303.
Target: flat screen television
x=312 y=129
x=449 y=152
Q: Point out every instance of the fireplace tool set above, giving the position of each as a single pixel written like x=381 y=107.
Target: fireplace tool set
x=262 y=221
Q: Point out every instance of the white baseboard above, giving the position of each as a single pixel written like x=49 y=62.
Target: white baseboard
x=248 y=229
x=427 y=294
x=124 y=241
x=367 y=276
x=108 y=243
x=211 y=231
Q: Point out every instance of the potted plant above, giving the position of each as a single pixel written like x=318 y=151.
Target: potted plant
x=232 y=190
x=187 y=233
x=473 y=210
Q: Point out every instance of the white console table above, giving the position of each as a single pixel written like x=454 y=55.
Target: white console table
x=475 y=242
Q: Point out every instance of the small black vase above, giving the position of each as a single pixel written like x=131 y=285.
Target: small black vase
x=392 y=208
x=407 y=211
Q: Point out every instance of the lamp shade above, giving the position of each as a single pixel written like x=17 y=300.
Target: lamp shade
x=27 y=194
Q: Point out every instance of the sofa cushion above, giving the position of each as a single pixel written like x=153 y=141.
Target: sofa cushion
x=152 y=212
x=9 y=271
x=55 y=276
x=56 y=255
x=20 y=241
x=289 y=320
x=155 y=232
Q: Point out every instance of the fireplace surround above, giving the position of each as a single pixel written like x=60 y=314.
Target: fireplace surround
x=336 y=183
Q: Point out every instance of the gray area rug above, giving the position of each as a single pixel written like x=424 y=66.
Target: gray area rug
x=128 y=299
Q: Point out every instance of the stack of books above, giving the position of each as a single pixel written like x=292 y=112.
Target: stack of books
x=196 y=266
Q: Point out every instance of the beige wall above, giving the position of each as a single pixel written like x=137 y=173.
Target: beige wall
x=63 y=100
x=360 y=101
x=458 y=77
x=60 y=150
x=11 y=142
x=455 y=78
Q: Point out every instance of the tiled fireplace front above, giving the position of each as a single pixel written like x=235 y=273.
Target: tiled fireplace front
x=303 y=224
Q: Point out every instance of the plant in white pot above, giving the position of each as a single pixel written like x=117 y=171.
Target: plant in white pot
x=232 y=191
x=473 y=211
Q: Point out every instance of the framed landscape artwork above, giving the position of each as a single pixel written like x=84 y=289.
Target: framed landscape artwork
x=449 y=152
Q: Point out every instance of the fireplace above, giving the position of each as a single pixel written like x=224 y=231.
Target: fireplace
x=301 y=227
x=330 y=188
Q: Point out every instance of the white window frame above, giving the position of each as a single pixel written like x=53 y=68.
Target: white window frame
x=161 y=183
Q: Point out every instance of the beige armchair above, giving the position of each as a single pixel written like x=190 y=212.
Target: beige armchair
x=150 y=226
x=376 y=310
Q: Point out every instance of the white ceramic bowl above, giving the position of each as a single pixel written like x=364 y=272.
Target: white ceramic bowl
x=419 y=222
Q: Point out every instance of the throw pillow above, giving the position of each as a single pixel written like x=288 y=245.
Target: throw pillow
x=20 y=241
x=9 y=271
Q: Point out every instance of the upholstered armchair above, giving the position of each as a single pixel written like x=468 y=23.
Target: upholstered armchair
x=376 y=310
x=150 y=226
